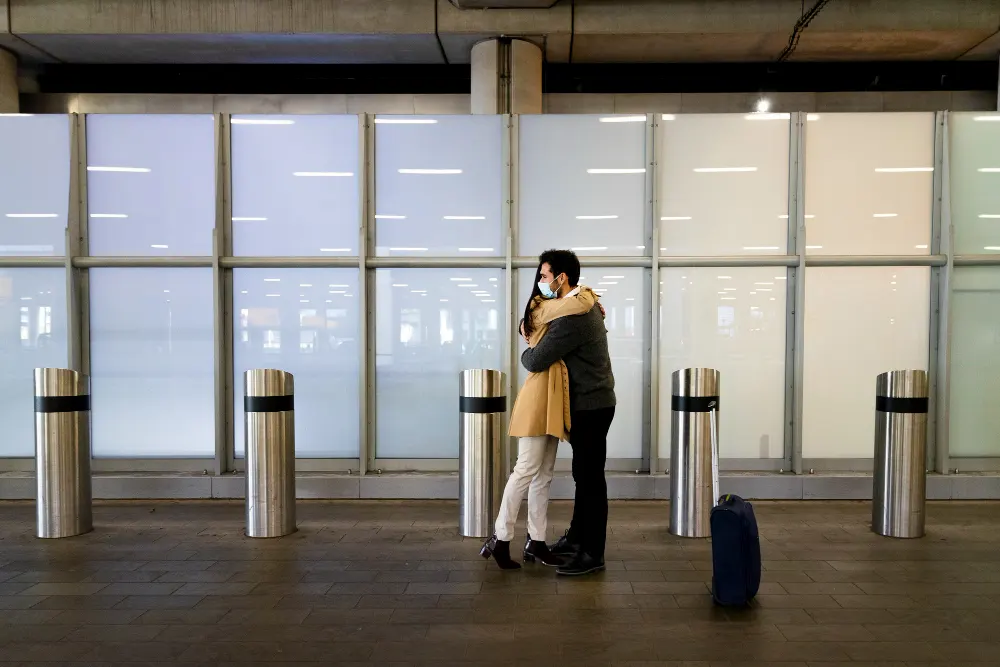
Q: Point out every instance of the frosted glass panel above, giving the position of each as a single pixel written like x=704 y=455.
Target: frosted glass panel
x=975 y=362
x=431 y=324
x=723 y=184
x=859 y=322
x=32 y=335
x=975 y=182
x=624 y=295
x=869 y=183
x=151 y=348
x=305 y=322
x=151 y=184
x=34 y=184
x=295 y=185
x=732 y=320
x=438 y=186
x=582 y=184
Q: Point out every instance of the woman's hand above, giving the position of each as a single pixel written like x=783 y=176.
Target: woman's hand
x=520 y=328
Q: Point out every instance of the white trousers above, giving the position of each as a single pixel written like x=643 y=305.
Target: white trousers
x=536 y=459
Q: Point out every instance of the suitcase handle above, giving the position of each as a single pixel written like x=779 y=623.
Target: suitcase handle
x=713 y=429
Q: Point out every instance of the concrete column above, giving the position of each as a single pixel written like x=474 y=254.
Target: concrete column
x=8 y=83
x=506 y=76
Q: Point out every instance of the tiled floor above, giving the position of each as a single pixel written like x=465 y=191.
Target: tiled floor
x=177 y=583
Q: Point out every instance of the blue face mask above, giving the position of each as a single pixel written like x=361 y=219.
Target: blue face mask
x=546 y=290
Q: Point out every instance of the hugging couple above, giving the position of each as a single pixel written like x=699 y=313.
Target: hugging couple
x=569 y=395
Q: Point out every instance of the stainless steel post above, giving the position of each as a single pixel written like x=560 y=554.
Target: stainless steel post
x=482 y=402
x=900 y=479
x=695 y=395
x=62 y=452
x=268 y=404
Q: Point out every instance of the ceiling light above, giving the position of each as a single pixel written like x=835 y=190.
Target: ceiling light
x=991 y=247
x=341 y=291
x=676 y=217
x=901 y=170
x=729 y=289
x=475 y=250
x=166 y=291
x=272 y=295
x=763 y=105
x=337 y=286
x=467 y=285
x=260 y=121
x=16 y=115
x=989 y=216
x=493 y=280
x=159 y=246
x=489 y=300
x=108 y=215
x=990 y=170
x=400 y=285
x=617 y=171
x=244 y=219
x=987 y=118
x=335 y=250
x=763 y=283
x=728 y=298
x=460 y=280
x=668 y=116
x=593 y=248
x=724 y=277
x=614 y=277
x=597 y=217
x=405 y=121
x=723 y=170
x=32 y=215
x=305 y=285
x=764 y=289
x=612 y=282
x=921 y=247
x=884 y=215
x=303 y=300
x=624 y=119
x=444 y=300
x=812 y=116
x=418 y=291
x=244 y=292
x=389 y=217
x=630 y=299
x=129 y=170
x=814 y=247
x=781 y=277
x=430 y=171
x=329 y=174
x=465 y=217
x=407 y=249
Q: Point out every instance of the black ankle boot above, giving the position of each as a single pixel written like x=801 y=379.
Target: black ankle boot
x=538 y=550
x=500 y=551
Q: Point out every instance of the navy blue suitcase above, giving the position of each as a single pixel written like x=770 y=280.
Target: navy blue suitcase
x=735 y=552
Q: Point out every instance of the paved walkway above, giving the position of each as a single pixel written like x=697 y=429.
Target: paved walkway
x=387 y=582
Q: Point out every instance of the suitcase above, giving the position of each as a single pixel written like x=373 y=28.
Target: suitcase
x=735 y=541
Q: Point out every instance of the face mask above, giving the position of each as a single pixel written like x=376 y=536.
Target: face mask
x=546 y=290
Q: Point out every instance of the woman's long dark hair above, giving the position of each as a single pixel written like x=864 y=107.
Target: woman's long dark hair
x=528 y=328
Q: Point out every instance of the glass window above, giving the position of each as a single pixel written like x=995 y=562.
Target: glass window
x=975 y=362
x=295 y=185
x=151 y=350
x=151 y=184
x=431 y=324
x=305 y=322
x=975 y=182
x=624 y=297
x=723 y=184
x=438 y=186
x=869 y=183
x=732 y=320
x=34 y=184
x=32 y=335
x=859 y=322
x=582 y=184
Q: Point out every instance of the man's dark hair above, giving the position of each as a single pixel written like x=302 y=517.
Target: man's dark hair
x=559 y=261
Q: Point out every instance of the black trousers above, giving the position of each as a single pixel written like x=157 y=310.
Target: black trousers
x=589 y=439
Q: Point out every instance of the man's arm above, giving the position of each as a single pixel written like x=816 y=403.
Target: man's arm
x=562 y=338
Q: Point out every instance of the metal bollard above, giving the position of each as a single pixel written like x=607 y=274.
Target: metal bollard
x=269 y=409
x=900 y=478
x=481 y=403
x=62 y=453
x=695 y=394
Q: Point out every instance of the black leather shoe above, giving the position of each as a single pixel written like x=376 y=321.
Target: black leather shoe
x=537 y=550
x=564 y=546
x=582 y=564
x=500 y=551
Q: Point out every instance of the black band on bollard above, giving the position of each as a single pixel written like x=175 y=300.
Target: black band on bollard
x=694 y=403
x=901 y=405
x=479 y=406
x=62 y=403
x=268 y=403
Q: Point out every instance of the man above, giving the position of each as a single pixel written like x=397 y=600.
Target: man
x=581 y=341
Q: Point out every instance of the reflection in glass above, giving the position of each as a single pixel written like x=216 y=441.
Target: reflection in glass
x=34 y=184
x=32 y=335
x=975 y=193
x=431 y=324
x=869 y=181
x=859 y=322
x=151 y=349
x=151 y=184
x=438 y=186
x=723 y=184
x=582 y=185
x=975 y=362
x=305 y=322
x=623 y=293
x=732 y=320
x=277 y=213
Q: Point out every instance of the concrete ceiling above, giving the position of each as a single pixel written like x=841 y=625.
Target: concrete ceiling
x=436 y=31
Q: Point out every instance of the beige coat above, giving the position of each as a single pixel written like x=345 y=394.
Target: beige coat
x=542 y=405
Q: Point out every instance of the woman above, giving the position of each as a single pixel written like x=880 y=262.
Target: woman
x=540 y=419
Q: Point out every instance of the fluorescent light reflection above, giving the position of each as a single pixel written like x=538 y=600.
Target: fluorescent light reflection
x=902 y=170
x=624 y=119
x=33 y=215
x=405 y=121
x=379 y=216
x=767 y=116
x=261 y=121
x=125 y=170
x=589 y=248
x=475 y=250
x=335 y=250
x=884 y=215
x=324 y=174
x=597 y=217
x=465 y=217
x=407 y=249
x=676 y=217
x=249 y=219
x=159 y=246
x=617 y=171
x=430 y=171
x=723 y=170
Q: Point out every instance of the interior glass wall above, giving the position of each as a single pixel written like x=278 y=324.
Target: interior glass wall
x=975 y=182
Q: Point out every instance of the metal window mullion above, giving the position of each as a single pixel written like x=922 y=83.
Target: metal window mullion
x=652 y=444
x=791 y=282
x=509 y=214
x=366 y=292
x=83 y=244
x=229 y=384
x=729 y=261
x=219 y=329
x=135 y=262
x=73 y=345
x=941 y=369
x=797 y=223
x=934 y=299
